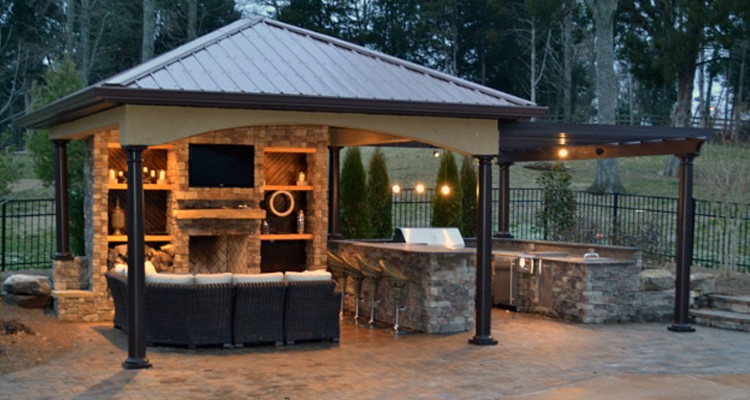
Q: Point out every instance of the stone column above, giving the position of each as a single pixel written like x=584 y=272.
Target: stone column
x=503 y=207
x=136 y=259
x=333 y=192
x=483 y=300
x=62 y=223
x=685 y=225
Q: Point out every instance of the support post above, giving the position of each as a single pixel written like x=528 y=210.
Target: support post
x=136 y=259
x=483 y=299
x=503 y=207
x=685 y=225
x=62 y=223
x=333 y=192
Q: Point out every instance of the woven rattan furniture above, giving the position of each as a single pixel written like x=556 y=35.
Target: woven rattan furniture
x=259 y=313
x=192 y=315
x=118 y=289
x=311 y=311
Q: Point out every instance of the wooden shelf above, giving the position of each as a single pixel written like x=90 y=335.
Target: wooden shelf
x=146 y=186
x=148 y=238
x=287 y=236
x=220 y=213
x=291 y=188
x=308 y=150
x=152 y=147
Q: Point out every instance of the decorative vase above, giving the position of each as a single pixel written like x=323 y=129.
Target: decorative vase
x=117 y=219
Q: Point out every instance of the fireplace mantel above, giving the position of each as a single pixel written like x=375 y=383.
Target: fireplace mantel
x=220 y=213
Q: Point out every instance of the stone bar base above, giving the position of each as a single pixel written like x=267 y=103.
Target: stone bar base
x=438 y=299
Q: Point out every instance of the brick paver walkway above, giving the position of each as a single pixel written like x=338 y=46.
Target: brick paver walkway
x=536 y=359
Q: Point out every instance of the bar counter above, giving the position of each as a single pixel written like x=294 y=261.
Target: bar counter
x=439 y=298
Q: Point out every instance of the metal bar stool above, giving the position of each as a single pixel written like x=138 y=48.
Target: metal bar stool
x=354 y=272
x=372 y=271
x=340 y=270
x=398 y=280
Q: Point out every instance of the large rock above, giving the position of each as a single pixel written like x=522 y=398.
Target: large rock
x=703 y=282
x=34 y=285
x=27 y=300
x=656 y=280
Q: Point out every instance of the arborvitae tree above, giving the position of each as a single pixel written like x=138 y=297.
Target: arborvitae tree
x=61 y=79
x=468 y=197
x=355 y=211
x=379 y=190
x=558 y=216
x=446 y=206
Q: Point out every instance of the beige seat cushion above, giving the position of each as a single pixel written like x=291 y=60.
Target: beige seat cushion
x=258 y=278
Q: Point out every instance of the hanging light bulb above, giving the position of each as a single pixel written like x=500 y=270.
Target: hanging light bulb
x=396 y=189
x=445 y=190
x=419 y=188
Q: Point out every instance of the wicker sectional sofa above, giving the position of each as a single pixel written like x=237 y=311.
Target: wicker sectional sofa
x=236 y=313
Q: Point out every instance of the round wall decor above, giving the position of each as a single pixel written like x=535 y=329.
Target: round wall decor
x=289 y=200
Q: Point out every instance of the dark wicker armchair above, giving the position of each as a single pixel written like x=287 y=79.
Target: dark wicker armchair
x=191 y=315
x=118 y=288
x=312 y=311
x=259 y=313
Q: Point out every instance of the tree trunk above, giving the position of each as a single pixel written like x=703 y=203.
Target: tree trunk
x=607 y=178
x=192 y=24
x=149 y=27
x=567 y=89
x=70 y=20
x=85 y=46
x=532 y=67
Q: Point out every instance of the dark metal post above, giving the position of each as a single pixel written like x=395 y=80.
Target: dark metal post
x=615 y=219
x=333 y=192
x=483 y=299
x=62 y=224
x=685 y=224
x=2 y=237
x=503 y=209
x=136 y=259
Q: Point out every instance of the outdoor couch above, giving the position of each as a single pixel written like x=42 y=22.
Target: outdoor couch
x=245 y=309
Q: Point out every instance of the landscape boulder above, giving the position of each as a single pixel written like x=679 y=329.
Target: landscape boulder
x=35 y=285
x=28 y=291
x=656 y=280
x=703 y=282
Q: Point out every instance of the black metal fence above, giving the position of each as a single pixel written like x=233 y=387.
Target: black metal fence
x=648 y=222
x=27 y=234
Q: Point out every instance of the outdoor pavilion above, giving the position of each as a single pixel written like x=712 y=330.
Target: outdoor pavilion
x=260 y=72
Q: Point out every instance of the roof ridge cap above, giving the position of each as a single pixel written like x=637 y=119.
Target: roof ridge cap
x=184 y=50
x=397 y=61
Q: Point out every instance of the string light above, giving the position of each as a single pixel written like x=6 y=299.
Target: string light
x=396 y=189
x=419 y=188
x=445 y=190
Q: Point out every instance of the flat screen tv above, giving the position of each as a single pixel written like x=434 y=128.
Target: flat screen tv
x=221 y=165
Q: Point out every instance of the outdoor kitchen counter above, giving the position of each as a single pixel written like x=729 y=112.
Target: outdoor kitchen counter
x=439 y=298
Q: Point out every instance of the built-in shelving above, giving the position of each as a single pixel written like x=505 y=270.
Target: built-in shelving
x=287 y=236
x=147 y=238
x=146 y=186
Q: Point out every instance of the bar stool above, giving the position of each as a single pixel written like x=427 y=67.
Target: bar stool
x=354 y=272
x=372 y=271
x=398 y=280
x=340 y=270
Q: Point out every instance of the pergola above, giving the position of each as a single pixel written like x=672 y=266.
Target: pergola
x=262 y=72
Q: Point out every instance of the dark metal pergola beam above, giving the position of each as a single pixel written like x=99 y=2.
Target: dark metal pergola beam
x=676 y=147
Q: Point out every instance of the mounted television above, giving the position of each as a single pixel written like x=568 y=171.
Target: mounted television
x=221 y=165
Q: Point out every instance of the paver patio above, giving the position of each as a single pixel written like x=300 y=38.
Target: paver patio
x=535 y=359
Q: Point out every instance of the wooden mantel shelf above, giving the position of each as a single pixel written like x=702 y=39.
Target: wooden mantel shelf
x=220 y=213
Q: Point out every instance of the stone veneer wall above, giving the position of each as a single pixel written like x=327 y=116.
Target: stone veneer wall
x=584 y=292
x=91 y=302
x=438 y=299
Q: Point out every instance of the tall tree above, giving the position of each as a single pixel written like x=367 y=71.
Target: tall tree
x=379 y=196
x=607 y=178
x=662 y=41
x=446 y=203
x=149 y=28
x=355 y=210
x=468 y=197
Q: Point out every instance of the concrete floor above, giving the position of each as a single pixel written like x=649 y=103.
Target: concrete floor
x=535 y=359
